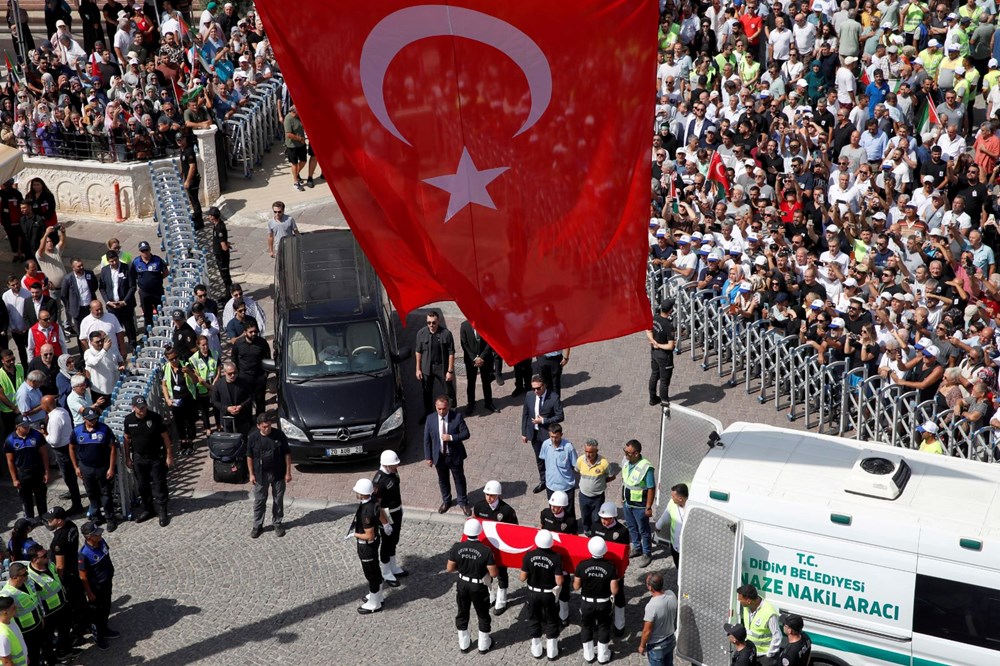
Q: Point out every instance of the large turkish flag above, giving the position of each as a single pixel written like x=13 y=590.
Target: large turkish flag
x=493 y=153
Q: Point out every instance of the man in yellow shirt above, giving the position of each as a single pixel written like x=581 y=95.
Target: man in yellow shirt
x=595 y=471
x=929 y=439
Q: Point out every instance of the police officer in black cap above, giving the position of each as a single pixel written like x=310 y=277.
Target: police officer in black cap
x=183 y=339
x=28 y=461
x=220 y=246
x=147 y=272
x=149 y=453
x=473 y=560
x=597 y=581
x=743 y=654
x=192 y=179
x=492 y=507
x=661 y=341
x=65 y=548
x=798 y=651
x=542 y=569
x=612 y=531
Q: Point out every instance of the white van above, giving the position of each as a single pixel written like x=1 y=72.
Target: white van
x=891 y=556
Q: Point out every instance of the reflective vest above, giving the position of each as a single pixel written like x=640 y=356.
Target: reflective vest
x=913 y=16
x=17 y=650
x=169 y=380
x=51 y=337
x=932 y=61
x=29 y=610
x=205 y=368
x=50 y=590
x=758 y=632
x=8 y=387
x=633 y=482
x=674 y=512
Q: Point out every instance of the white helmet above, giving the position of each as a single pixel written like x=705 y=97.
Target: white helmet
x=608 y=510
x=543 y=539
x=388 y=457
x=559 y=498
x=597 y=546
x=364 y=487
x=473 y=528
x=493 y=488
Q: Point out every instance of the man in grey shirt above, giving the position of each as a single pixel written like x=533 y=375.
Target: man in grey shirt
x=660 y=621
x=279 y=226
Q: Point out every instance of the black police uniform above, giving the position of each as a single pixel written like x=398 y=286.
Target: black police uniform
x=388 y=496
x=796 y=654
x=220 y=235
x=26 y=452
x=93 y=456
x=66 y=543
x=564 y=524
x=661 y=360
x=189 y=159
x=504 y=513
x=96 y=562
x=745 y=657
x=367 y=518
x=184 y=340
x=148 y=278
x=472 y=559
x=542 y=566
x=595 y=576
x=149 y=460
x=617 y=533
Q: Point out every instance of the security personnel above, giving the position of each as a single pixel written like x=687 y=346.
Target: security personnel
x=798 y=650
x=495 y=509
x=97 y=573
x=192 y=179
x=28 y=463
x=661 y=341
x=542 y=569
x=64 y=550
x=149 y=453
x=54 y=602
x=761 y=621
x=94 y=454
x=365 y=528
x=10 y=631
x=147 y=272
x=638 y=493
x=555 y=518
x=205 y=362
x=673 y=516
x=29 y=615
x=597 y=581
x=613 y=531
x=743 y=653
x=11 y=378
x=220 y=246
x=390 y=501
x=473 y=560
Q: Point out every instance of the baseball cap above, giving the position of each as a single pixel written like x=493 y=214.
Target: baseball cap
x=23 y=420
x=746 y=287
x=91 y=528
x=782 y=297
x=921 y=343
x=715 y=255
x=661 y=233
x=933 y=43
x=952 y=16
x=878 y=216
x=958 y=70
x=792 y=621
x=737 y=631
x=953 y=48
x=684 y=240
x=833 y=229
x=850 y=60
x=931 y=351
x=178 y=315
x=760 y=261
x=993 y=63
x=54 y=513
x=138 y=401
x=928 y=179
x=143 y=246
x=926 y=426
x=90 y=414
x=837 y=322
x=851 y=282
x=817 y=304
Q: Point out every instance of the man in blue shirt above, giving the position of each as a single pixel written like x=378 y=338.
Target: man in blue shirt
x=93 y=450
x=559 y=457
x=147 y=272
x=97 y=574
x=877 y=90
x=28 y=462
x=29 y=397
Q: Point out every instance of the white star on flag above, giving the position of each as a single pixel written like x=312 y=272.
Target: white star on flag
x=467 y=185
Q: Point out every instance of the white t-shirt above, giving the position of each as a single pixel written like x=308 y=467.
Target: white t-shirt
x=805 y=37
x=780 y=41
x=845 y=85
x=108 y=323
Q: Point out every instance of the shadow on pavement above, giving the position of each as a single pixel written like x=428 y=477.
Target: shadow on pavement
x=573 y=378
x=697 y=394
x=139 y=622
x=592 y=395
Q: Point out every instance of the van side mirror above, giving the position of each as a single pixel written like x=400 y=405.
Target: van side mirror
x=402 y=354
x=269 y=365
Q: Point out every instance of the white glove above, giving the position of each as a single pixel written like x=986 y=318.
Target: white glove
x=487 y=580
x=387 y=528
x=555 y=591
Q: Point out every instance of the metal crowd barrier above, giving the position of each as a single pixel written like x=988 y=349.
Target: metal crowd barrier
x=188 y=267
x=252 y=130
x=830 y=397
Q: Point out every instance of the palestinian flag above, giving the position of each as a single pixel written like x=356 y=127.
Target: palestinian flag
x=11 y=74
x=928 y=118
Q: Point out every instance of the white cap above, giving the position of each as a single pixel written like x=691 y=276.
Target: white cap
x=934 y=43
x=878 y=216
x=493 y=487
x=802 y=83
x=960 y=70
x=746 y=287
x=760 y=261
x=364 y=487
x=597 y=546
x=244 y=59
x=608 y=510
x=388 y=457
x=850 y=282
x=472 y=528
x=837 y=322
x=850 y=60
x=922 y=342
x=559 y=498
x=543 y=539
x=832 y=229
x=817 y=304
x=928 y=426
x=993 y=63
x=931 y=351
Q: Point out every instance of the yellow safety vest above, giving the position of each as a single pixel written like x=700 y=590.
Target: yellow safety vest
x=674 y=512
x=51 y=592
x=913 y=17
x=758 y=632
x=17 y=648
x=205 y=369
x=169 y=380
x=29 y=613
x=633 y=481
x=8 y=387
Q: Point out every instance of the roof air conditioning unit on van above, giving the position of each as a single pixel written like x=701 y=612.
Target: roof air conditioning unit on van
x=878 y=474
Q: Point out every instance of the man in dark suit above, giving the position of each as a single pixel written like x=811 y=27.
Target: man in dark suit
x=38 y=302
x=444 y=432
x=233 y=398
x=118 y=290
x=478 y=357
x=79 y=288
x=541 y=408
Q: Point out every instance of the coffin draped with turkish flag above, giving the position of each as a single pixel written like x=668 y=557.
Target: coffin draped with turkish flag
x=509 y=543
x=491 y=153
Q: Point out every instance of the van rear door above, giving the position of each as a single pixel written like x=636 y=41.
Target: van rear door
x=712 y=545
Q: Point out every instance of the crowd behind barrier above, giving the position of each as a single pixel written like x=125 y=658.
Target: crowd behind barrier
x=252 y=130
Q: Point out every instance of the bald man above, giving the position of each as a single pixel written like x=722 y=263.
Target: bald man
x=57 y=432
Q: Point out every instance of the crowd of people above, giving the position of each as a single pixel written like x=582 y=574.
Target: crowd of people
x=856 y=207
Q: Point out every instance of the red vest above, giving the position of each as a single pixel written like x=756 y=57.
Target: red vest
x=51 y=337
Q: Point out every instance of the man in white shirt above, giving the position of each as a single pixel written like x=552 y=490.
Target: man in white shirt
x=253 y=309
x=99 y=320
x=11 y=640
x=779 y=41
x=57 y=434
x=104 y=364
x=951 y=142
x=846 y=82
x=805 y=36
x=14 y=299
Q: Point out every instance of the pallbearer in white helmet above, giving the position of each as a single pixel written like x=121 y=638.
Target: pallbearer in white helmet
x=494 y=508
x=542 y=570
x=555 y=518
x=386 y=482
x=474 y=561
x=612 y=531
x=597 y=581
x=366 y=530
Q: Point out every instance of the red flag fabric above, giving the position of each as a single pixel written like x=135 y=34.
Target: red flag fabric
x=717 y=171
x=495 y=154
x=509 y=543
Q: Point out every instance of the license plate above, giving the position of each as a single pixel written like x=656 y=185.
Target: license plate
x=344 y=451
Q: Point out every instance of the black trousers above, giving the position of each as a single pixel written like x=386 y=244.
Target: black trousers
x=259 y=385
x=503 y=578
x=101 y=607
x=222 y=261
x=79 y=609
x=589 y=506
x=34 y=640
x=596 y=621
x=662 y=367
x=15 y=236
x=368 y=554
x=7 y=423
x=183 y=416
x=543 y=615
x=58 y=632
x=449 y=467
x=151 y=477
x=21 y=342
x=550 y=368
x=675 y=555
x=476 y=595
x=149 y=303
x=433 y=385
x=33 y=491
x=537 y=439
x=126 y=317
x=197 y=217
x=204 y=409
x=98 y=489
x=486 y=374
x=522 y=375
x=68 y=473
x=388 y=542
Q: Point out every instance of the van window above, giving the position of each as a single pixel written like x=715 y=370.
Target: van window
x=334 y=349
x=957 y=612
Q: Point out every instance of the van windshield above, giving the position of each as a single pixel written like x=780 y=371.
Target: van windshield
x=334 y=349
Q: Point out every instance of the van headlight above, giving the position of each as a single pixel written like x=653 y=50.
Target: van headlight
x=394 y=421
x=292 y=431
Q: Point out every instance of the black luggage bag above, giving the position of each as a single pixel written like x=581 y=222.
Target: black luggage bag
x=229 y=456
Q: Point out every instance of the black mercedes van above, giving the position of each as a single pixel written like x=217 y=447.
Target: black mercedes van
x=340 y=394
